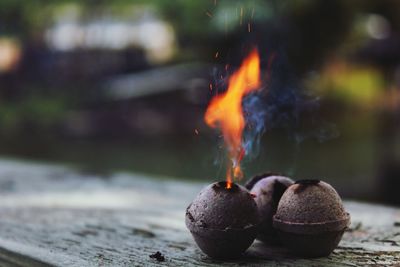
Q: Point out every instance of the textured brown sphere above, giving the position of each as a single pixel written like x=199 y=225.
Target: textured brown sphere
x=223 y=222
x=268 y=190
x=311 y=218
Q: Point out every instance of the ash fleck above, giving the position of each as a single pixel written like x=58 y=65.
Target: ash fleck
x=158 y=256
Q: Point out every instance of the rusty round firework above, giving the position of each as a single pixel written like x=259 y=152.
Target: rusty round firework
x=267 y=190
x=223 y=222
x=310 y=218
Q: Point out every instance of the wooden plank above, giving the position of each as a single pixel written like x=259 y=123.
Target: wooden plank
x=58 y=216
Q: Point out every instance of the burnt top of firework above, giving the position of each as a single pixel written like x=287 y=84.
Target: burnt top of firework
x=310 y=201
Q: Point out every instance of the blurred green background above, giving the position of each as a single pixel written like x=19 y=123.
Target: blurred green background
x=123 y=85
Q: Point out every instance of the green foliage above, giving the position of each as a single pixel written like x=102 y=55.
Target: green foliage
x=39 y=111
x=24 y=19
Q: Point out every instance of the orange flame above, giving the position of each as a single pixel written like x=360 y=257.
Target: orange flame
x=225 y=111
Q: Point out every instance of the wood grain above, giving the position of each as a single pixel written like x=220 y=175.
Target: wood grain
x=55 y=215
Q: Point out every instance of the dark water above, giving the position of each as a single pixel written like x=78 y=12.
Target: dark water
x=350 y=162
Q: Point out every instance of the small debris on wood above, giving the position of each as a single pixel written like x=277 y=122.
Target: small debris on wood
x=158 y=256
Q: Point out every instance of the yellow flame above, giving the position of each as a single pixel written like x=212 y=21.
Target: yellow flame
x=225 y=111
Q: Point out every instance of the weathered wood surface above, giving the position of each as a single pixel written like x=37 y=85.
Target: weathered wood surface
x=52 y=215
